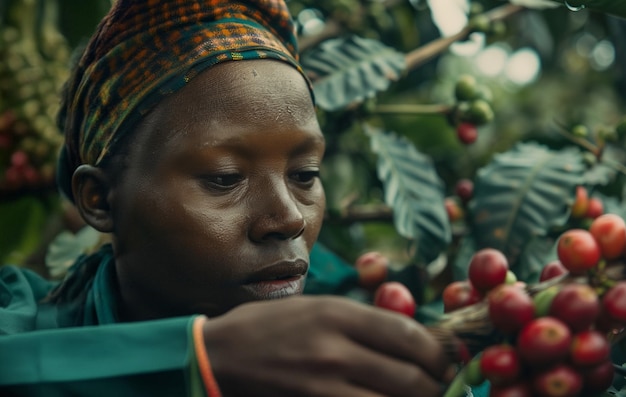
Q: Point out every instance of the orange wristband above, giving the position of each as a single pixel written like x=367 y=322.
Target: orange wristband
x=210 y=384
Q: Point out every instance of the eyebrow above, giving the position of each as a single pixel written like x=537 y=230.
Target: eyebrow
x=308 y=143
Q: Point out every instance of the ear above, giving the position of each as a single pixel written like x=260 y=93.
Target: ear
x=91 y=188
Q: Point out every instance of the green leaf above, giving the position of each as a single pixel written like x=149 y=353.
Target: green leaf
x=348 y=70
x=467 y=248
x=538 y=252
x=414 y=191
x=522 y=194
x=612 y=205
x=602 y=173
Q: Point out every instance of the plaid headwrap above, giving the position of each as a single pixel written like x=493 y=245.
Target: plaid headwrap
x=146 y=49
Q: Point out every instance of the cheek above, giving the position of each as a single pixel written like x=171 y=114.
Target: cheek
x=315 y=216
x=174 y=219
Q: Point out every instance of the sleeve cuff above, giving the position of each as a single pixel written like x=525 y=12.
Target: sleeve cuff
x=202 y=359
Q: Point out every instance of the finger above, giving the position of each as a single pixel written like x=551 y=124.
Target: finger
x=337 y=387
x=396 y=335
x=390 y=376
x=308 y=387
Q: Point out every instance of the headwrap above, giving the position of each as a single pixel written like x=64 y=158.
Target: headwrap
x=145 y=49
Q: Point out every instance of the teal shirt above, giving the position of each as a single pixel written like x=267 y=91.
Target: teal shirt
x=67 y=341
x=76 y=347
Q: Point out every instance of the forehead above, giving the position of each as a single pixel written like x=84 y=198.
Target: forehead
x=253 y=92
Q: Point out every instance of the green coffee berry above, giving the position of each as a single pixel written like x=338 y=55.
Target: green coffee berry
x=580 y=131
x=480 y=112
x=480 y=23
x=466 y=88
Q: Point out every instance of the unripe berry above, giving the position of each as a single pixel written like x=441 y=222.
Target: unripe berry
x=580 y=131
x=581 y=203
x=466 y=88
x=480 y=112
x=453 y=209
x=480 y=23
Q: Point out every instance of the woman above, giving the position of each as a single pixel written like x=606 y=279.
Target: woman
x=191 y=138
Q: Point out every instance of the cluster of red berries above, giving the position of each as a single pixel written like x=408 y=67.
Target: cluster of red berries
x=553 y=345
x=26 y=159
x=473 y=108
x=554 y=342
x=586 y=207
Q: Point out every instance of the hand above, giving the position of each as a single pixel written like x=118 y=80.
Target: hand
x=323 y=346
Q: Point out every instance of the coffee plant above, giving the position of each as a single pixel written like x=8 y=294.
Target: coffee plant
x=505 y=197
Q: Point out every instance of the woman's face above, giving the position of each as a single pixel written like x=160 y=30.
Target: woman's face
x=221 y=201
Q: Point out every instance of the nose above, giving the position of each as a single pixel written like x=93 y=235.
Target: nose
x=277 y=214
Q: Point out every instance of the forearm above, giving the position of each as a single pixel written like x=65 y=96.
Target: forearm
x=154 y=357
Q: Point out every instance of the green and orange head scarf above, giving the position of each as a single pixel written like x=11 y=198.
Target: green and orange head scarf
x=146 y=49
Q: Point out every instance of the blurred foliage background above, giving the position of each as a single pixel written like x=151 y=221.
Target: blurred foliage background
x=542 y=68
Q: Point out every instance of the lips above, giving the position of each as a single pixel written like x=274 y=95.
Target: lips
x=279 y=271
x=278 y=280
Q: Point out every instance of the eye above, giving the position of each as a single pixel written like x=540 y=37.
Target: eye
x=306 y=178
x=222 y=182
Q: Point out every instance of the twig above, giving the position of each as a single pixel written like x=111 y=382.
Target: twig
x=422 y=54
x=413 y=109
x=369 y=213
x=579 y=141
x=331 y=29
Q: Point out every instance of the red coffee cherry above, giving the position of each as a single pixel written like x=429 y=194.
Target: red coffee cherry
x=487 y=269
x=577 y=305
x=372 y=268
x=510 y=308
x=614 y=302
x=500 y=364
x=609 y=230
x=595 y=208
x=578 y=250
x=396 y=297
x=459 y=294
x=561 y=380
x=589 y=348
x=543 y=341
x=467 y=133
x=551 y=270
x=464 y=189
x=598 y=378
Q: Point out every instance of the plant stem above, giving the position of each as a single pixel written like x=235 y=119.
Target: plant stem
x=422 y=54
x=369 y=213
x=457 y=388
x=412 y=109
